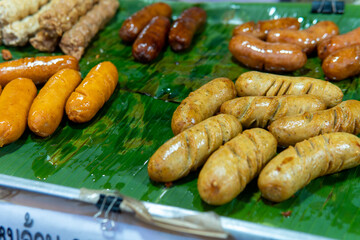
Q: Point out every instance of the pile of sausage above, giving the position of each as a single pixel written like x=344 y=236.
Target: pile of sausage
x=279 y=46
x=21 y=105
x=306 y=115
x=149 y=29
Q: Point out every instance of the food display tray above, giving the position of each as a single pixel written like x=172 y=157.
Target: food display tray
x=112 y=150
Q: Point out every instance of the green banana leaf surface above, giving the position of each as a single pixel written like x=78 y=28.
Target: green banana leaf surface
x=112 y=150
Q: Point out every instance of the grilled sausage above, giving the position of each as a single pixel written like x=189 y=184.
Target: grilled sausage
x=47 y=110
x=265 y=84
x=15 y=102
x=272 y=57
x=295 y=167
x=228 y=170
x=38 y=69
x=189 y=150
x=97 y=87
x=185 y=27
x=262 y=28
x=151 y=40
x=330 y=45
x=132 y=26
x=202 y=104
x=259 y=111
x=342 y=63
x=345 y=117
x=308 y=38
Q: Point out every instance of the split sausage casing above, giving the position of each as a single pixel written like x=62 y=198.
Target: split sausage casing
x=265 y=84
x=344 y=117
x=295 y=167
x=202 y=104
x=259 y=111
x=232 y=166
x=189 y=150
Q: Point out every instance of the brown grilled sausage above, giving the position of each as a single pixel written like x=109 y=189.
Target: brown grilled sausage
x=132 y=26
x=265 y=84
x=92 y=93
x=343 y=63
x=344 y=117
x=262 y=28
x=228 y=170
x=259 y=111
x=38 y=69
x=15 y=102
x=189 y=150
x=330 y=45
x=272 y=57
x=47 y=110
x=295 y=167
x=151 y=40
x=202 y=104
x=185 y=27
x=308 y=38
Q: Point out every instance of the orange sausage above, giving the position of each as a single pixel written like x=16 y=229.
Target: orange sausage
x=185 y=27
x=308 y=38
x=92 y=93
x=47 y=110
x=132 y=26
x=15 y=102
x=330 y=45
x=343 y=63
x=38 y=69
x=273 y=57
x=262 y=28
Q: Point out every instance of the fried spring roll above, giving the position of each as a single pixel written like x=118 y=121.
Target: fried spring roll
x=14 y=10
x=74 y=41
x=18 y=33
x=57 y=20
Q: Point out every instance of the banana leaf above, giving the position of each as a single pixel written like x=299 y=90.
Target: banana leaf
x=112 y=150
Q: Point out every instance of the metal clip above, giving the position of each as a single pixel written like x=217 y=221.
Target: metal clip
x=108 y=204
x=324 y=6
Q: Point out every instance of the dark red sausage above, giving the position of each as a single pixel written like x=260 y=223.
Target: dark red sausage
x=308 y=38
x=184 y=28
x=343 y=63
x=272 y=57
x=335 y=43
x=132 y=26
x=262 y=28
x=151 y=40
